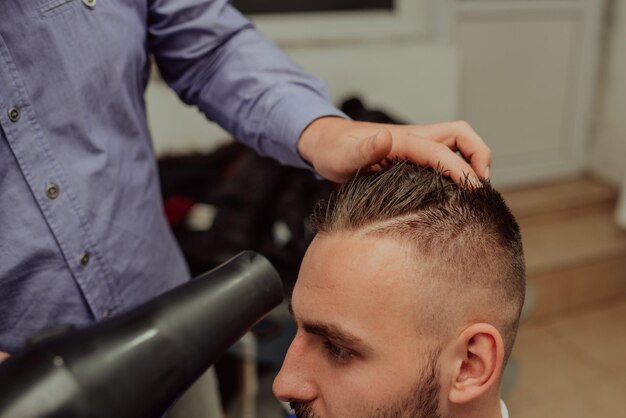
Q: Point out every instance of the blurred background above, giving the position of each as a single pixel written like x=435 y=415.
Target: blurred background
x=542 y=81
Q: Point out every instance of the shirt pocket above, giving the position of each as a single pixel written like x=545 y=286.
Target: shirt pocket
x=51 y=8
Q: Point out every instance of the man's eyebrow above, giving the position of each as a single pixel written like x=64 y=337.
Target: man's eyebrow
x=332 y=332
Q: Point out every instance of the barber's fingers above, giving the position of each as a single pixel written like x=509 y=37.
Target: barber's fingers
x=362 y=148
x=372 y=149
x=426 y=152
x=337 y=148
x=3 y=356
x=462 y=137
x=439 y=152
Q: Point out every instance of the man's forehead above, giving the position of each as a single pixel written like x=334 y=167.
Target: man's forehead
x=365 y=280
x=355 y=246
x=349 y=258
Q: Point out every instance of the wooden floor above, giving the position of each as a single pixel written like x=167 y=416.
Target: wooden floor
x=572 y=366
x=570 y=356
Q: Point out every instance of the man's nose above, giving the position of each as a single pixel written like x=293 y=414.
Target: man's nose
x=295 y=381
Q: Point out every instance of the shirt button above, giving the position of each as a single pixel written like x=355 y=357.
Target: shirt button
x=90 y=3
x=84 y=258
x=106 y=314
x=52 y=191
x=14 y=114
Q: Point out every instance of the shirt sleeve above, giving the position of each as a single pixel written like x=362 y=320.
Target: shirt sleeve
x=214 y=58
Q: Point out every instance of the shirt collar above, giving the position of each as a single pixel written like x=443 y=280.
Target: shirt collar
x=505 y=412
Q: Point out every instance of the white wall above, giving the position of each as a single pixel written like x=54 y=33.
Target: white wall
x=608 y=149
x=528 y=83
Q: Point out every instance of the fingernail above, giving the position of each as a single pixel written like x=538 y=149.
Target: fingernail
x=487 y=173
x=472 y=182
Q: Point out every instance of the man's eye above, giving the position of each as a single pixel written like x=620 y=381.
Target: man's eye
x=337 y=353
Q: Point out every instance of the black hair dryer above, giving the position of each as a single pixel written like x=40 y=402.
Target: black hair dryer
x=137 y=364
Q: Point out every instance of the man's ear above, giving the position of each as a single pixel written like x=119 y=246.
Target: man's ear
x=478 y=360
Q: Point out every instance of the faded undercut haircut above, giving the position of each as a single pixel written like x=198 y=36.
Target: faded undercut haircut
x=468 y=234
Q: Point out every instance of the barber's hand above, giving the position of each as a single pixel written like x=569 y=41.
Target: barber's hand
x=337 y=147
x=3 y=356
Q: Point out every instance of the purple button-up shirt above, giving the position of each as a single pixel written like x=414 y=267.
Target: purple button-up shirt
x=82 y=232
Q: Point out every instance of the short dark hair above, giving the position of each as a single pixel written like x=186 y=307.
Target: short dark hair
x=467 y=231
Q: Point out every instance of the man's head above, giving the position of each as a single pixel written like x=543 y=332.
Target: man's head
x=407 y=301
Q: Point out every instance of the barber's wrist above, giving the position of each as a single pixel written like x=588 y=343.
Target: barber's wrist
x=314 y=134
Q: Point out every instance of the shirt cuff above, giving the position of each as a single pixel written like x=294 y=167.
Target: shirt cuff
x=289 y=118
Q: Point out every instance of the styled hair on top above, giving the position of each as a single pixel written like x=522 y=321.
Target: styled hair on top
x=468 y=235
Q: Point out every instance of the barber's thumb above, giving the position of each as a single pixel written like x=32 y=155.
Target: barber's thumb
x=375 y=148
